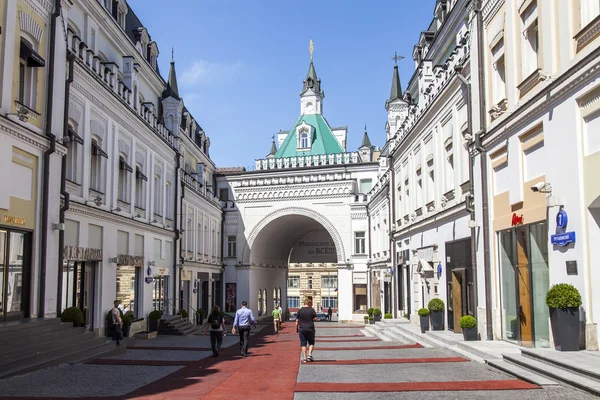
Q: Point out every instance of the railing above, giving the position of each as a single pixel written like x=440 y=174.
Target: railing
x=308 y=161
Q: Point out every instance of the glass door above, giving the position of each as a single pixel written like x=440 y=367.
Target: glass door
x=508 y=287
x=14 y=274
x=523 y=270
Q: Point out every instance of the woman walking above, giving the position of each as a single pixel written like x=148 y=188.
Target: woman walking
x=217 y=330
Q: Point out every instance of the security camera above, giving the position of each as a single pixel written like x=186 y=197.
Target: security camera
x=540 y=187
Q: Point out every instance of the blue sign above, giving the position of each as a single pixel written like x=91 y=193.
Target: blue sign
x=195 y=290
x=149 y=279
x=439 y=268
x=149 y=271
x=562 y=239
x=562 y=219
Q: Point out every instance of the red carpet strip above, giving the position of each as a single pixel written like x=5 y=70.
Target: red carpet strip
x=339 y=336
x=324 y=387
x=349 y=340
x=340 y=327
x=402 y=346
x=389 y=361
x=168 y=348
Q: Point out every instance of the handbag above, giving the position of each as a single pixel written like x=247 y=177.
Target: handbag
x=215 y=323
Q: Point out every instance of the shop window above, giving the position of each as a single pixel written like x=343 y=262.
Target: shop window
x=128 y=279
x=231 y=246
x=359 y=243
x=294 y=282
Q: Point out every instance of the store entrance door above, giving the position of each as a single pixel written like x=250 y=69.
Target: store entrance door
x=524 y=287
x=15 y=273
x=458 y=292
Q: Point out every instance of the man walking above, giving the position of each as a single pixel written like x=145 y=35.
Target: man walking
x=217 y=330
x=117 y=322
x=305 y=328
x=329 y=313
x=276 y=319
x=280 y=315
x=243 y=319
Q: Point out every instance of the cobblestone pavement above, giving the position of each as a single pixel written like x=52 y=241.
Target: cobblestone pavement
x=173 y=368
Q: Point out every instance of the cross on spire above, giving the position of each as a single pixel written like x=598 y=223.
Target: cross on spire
x=311 y=49
x=172 y=53
x=396 y=58
x=273 y=137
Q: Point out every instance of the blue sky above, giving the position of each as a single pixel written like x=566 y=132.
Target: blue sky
x=240 y=64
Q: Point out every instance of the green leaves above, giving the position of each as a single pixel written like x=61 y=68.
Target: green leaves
x=436 y=305
x=72 y=314
x=563 y=295
x=423 y=312
x=468 y=322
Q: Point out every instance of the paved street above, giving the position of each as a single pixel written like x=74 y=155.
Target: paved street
x=348 y=365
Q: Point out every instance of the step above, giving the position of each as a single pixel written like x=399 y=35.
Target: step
x=447 y=337
x=393 y=336
x=421 y=338
x=570 y=361
x=581 y=382
x=41 y=347
x=27 y=324
x=8 y=344
x=522 y=373
x=98 y=350
x=32 y=330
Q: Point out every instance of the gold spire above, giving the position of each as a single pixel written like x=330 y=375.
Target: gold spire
x=311 y=48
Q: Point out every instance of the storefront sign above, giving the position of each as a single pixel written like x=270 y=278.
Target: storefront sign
x=425 y=254
x=359 y=278
x=517 y=219
x=163 y=271
x=126 y=259
x=11 y=220
x=387 y=276
x=149 y=279
x=72 y=253
x=186 y=275
x=562 y=239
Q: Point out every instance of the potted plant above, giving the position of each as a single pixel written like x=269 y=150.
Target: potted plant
x=200 y=316
x=468 y=323
x=424 y=319
x=366 y=319
x=436 y=309
x=371 y=320
x=564 y=301
x=387 y=316
x=127 y=320
x=154 y=320
x=370 y=311
x=72 y=314
x=377 y=314
x=184 y=314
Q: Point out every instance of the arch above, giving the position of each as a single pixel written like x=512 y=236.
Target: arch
x=290 y=211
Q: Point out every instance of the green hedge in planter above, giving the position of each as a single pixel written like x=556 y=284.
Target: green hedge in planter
x=183 y=313
x=72 y=314
x=563 y=295
x=371 y=319
x=423 y=312
x=370 y=311
x=436 y=305
x=468 y=322
x=155 y=314
x=377 y=312
x=388 y=316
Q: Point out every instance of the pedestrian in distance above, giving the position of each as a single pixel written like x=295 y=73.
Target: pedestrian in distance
x=117 y=323
x=216 y=322
x=276 y=319
x=243 y=319
x=329 y=313
x=280 y=315
x=305 y=328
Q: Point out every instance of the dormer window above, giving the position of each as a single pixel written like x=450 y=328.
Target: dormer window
x=304 y=133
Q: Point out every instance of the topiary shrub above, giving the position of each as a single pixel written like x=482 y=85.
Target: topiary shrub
x=72 y=314
x=377 y=312
x=155 y=315
x=370 y=311
x=127 y=319
x=366 y=317
x=563 y=295
x=183 y=313
x=436 y=305
x=423 y=312
x=387 y=316
x=468 y=322
x=371 y=319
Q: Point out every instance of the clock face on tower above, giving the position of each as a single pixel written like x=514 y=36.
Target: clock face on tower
x=309 y=107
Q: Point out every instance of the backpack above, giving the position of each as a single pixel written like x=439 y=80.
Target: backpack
x=215 y=322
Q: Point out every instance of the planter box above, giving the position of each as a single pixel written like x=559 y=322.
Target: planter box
x=565 y=328
x=437 y=320
x=146 y=335
x=371 y=322
x=424 y=323
x=377 y=318
x=153 y=325
x=470 y=335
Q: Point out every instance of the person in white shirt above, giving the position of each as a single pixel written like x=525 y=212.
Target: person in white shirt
x=117 y=322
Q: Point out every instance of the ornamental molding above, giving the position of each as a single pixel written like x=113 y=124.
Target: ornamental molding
x=421 y=224
x=322 y=190
x=358 y=215
x=43 y=8
x=490 y=9
x=287 y=211
x=30 y=26
x=90 y=212
x=101 y=105
x=30 y=138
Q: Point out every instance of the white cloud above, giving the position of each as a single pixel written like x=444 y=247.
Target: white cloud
x=203 y=72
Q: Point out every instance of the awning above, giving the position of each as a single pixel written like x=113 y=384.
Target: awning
x=33 y=58
x=140 y=175
x=424 y=266
x=124 y=166
x=75 y=137
x=97 y=150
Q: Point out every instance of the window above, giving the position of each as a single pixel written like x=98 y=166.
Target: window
x=449 y=167
x=293 y=302
x=430 y=181
x=169 y=196
x=128 y=280
x=96 y=166
x=304 y=140
x=529 y=41
x=29 y=61
x=590 y=9
x=329 y=302
x=310 y=283
x=199 y=240
x=359 y=242
x=140 y=187
x=365 y=186
x=73 y=142
x=329 y=282
x=124 y=171
x=231 y=246
x=158 y=195
x=419 y=187
x=224 y=194
x=294 y=282
x=499 y=73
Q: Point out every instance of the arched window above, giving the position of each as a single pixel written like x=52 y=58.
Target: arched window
x=259 y=311
x=73 y=141
x=304 y=140
x=274 y=298
x=264 y=301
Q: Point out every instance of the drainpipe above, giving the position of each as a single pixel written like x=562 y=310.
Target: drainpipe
x=46 y=163
x=470 y=206
x=392 y=210
x=484 y=172
x=176 y=207
x=369 y=289
x=63 y=191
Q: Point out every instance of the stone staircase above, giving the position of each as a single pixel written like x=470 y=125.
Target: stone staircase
x=35 y=344
x=175 y=325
